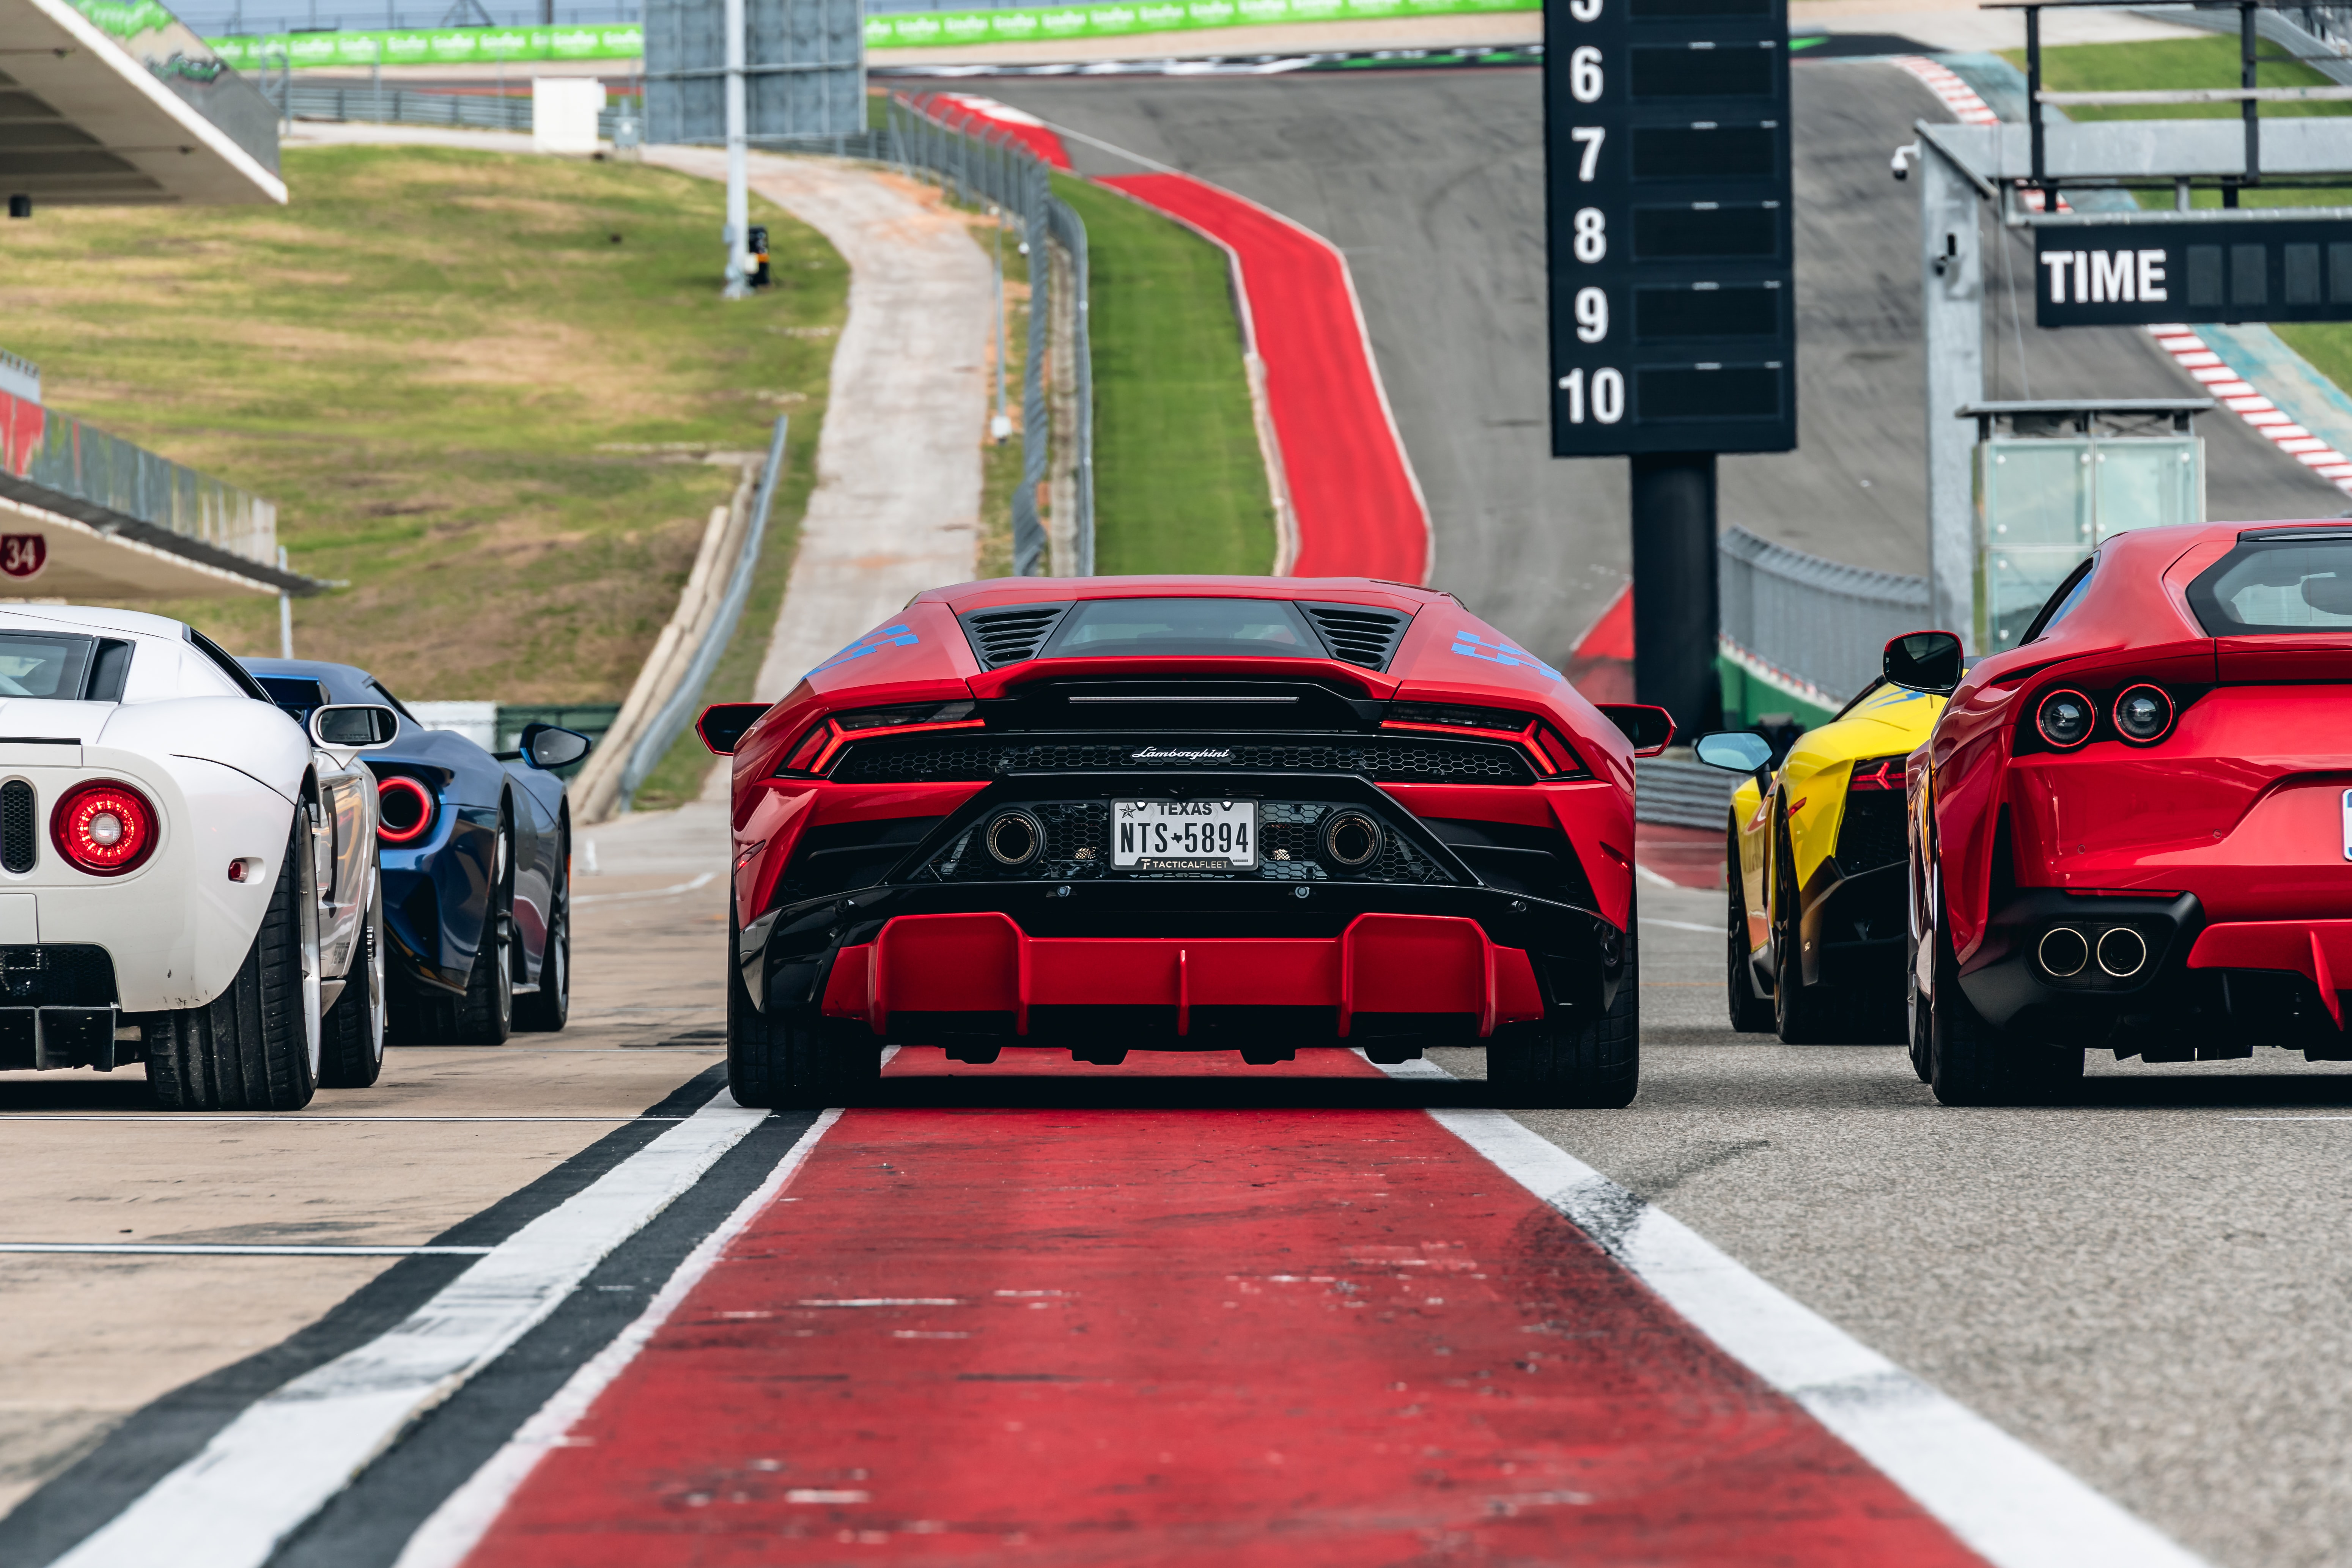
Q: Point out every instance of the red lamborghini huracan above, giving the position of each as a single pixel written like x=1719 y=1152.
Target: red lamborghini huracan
x=2134 y=829
x=1184 y=814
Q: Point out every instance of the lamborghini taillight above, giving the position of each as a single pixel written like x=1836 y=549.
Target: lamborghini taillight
x=1879 y=772
x=1553 y=756
x=813 y=752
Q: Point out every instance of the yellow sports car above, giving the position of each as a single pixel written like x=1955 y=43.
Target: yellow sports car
x=1816 y=864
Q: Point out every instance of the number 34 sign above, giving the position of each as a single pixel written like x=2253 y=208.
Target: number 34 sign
x=23 y=554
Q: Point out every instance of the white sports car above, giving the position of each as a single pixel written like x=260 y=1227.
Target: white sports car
x=185 y=875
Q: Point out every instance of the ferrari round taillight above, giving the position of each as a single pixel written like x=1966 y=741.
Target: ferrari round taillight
x=2065 y=718
x=404 y=809
x=2143 y=713
x=103 y=827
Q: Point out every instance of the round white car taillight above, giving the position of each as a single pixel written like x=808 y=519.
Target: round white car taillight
x=2065 y=718
x=2143 y=713
x=103 y=827
x=404 y=809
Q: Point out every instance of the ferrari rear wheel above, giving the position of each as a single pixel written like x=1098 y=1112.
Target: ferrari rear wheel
x=250 y=1048
x=1974 y=1062
x=1750 y=1013
x=351 y=1046
x=1576 y=1066
x=795 y=1060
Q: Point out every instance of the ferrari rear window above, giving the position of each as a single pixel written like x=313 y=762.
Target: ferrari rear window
x=2277 y=586
x=37 y=665
x=1247 y=628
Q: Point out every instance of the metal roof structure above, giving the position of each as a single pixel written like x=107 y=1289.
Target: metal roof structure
x=118 y=103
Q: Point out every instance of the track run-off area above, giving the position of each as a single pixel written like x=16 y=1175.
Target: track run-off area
x=564 y=1302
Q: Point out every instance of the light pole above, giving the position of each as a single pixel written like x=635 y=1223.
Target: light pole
x=738 y=200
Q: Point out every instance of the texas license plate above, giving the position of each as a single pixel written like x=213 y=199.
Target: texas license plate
x=1184 y=834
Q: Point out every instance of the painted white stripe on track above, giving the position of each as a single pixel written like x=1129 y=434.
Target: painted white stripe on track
x=278 y=1463
x=704 y=880
x=1682 y=925
x=174 y=1118
x=467 y=1514
x=2002 y=1499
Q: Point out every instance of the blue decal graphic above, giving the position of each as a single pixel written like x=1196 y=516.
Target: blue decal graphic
x=899 y=636
x=1470 y=644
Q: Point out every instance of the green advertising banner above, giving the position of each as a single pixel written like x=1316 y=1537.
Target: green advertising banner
x=433 y=46
x=930 y=29
x=895 y=30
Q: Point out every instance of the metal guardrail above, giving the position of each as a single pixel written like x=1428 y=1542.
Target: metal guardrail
x=669 y=720
x=20 y=378
x=1680 y=793
x=1820 y=621
x=407 y=106
x=977 y=162
x=52 y=460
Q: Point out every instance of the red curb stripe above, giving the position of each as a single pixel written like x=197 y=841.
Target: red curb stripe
x=1234 y=1337
x=970 y=112
x=1358 y=507
x=2241 y=397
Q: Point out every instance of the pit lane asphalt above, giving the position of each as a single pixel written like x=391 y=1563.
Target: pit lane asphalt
x=1431 y=183
x=2153 y=1286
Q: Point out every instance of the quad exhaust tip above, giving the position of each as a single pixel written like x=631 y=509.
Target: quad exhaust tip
x=2122 y=951
x=2063 y=952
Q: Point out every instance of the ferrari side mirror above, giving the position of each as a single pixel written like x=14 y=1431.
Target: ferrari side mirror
x=1734 y=751
x=723 y=725
x=355 y=726
x=1650 y=729
x=1923 y=661
x=552 y=746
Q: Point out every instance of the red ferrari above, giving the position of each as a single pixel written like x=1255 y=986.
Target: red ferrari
x=1184 y=814
x=2134 y=829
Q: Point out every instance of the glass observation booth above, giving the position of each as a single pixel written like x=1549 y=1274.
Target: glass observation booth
x=2055 y=478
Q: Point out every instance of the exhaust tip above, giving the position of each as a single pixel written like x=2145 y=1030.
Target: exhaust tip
x=1014 y=838
x=2062 y=952
x=1351 y=839
x=2122 y=951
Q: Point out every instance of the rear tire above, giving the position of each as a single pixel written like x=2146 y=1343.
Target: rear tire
x=1568 y=1066
x=351 y=1041
x=546 y=1010
x=250 y=1048
x=797 y=1061
x=486 y=1012
x=1805 y=1015
x=1974 y=1062
x=1750 y=1013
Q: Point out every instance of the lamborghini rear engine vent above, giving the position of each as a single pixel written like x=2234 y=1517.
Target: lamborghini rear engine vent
x=20 y=829
x=1000 y=637
x=1359 y=634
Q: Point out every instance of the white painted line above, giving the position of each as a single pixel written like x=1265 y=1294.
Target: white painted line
x=2287 y=1118
x=174 y=1118
x=234 y=1249
x=2006 y=1502
x=704 y=880
x=459 y=1524
x=273 y=1467
x=1682 y=925
x=1653 y=878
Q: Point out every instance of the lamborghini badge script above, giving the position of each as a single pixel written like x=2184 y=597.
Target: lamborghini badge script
x=1167 y=754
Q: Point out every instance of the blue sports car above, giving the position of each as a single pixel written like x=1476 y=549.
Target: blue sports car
x=476 y=854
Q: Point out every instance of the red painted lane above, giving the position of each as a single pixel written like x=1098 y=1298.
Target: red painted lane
x=1358 y=512
x=1246 y=1337
x=970 y=112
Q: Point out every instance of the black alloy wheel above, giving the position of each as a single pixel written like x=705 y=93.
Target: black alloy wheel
x=1750 y=1013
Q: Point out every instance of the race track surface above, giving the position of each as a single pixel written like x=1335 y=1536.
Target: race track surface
x=1429 y=181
